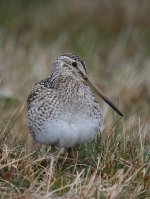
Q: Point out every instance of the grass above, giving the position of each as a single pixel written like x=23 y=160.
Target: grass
x=104 y=168
x=114 y=39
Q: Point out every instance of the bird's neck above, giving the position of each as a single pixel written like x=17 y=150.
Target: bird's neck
x=64 y=81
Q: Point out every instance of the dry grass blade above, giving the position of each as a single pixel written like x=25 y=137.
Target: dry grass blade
x=11 y=122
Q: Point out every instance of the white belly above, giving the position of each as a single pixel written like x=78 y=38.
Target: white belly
x=66 y=133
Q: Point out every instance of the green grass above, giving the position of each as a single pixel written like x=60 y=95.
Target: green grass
x=113 y=37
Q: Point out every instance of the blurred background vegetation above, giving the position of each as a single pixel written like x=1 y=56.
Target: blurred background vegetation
x=111 y=35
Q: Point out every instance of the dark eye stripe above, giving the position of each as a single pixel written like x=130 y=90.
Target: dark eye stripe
x=82 y=62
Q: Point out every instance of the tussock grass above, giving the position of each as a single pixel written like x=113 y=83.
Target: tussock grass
x=114 y=38
x=117 y=167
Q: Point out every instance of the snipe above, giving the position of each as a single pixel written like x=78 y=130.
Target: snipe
x=62 y=109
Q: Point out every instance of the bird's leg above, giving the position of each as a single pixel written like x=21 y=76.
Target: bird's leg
x=71 y=154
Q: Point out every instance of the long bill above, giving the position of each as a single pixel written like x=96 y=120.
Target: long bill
x=101 y=94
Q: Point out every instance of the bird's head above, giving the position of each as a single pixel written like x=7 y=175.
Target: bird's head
x=72 y=65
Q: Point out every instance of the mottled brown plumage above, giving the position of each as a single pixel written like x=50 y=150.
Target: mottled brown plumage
x=62 y=109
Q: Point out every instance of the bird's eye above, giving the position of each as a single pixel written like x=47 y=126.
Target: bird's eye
x=74 y=64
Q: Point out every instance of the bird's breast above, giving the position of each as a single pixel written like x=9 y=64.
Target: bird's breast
x=67 y=131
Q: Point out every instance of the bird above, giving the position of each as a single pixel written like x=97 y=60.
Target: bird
x=63 y=109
